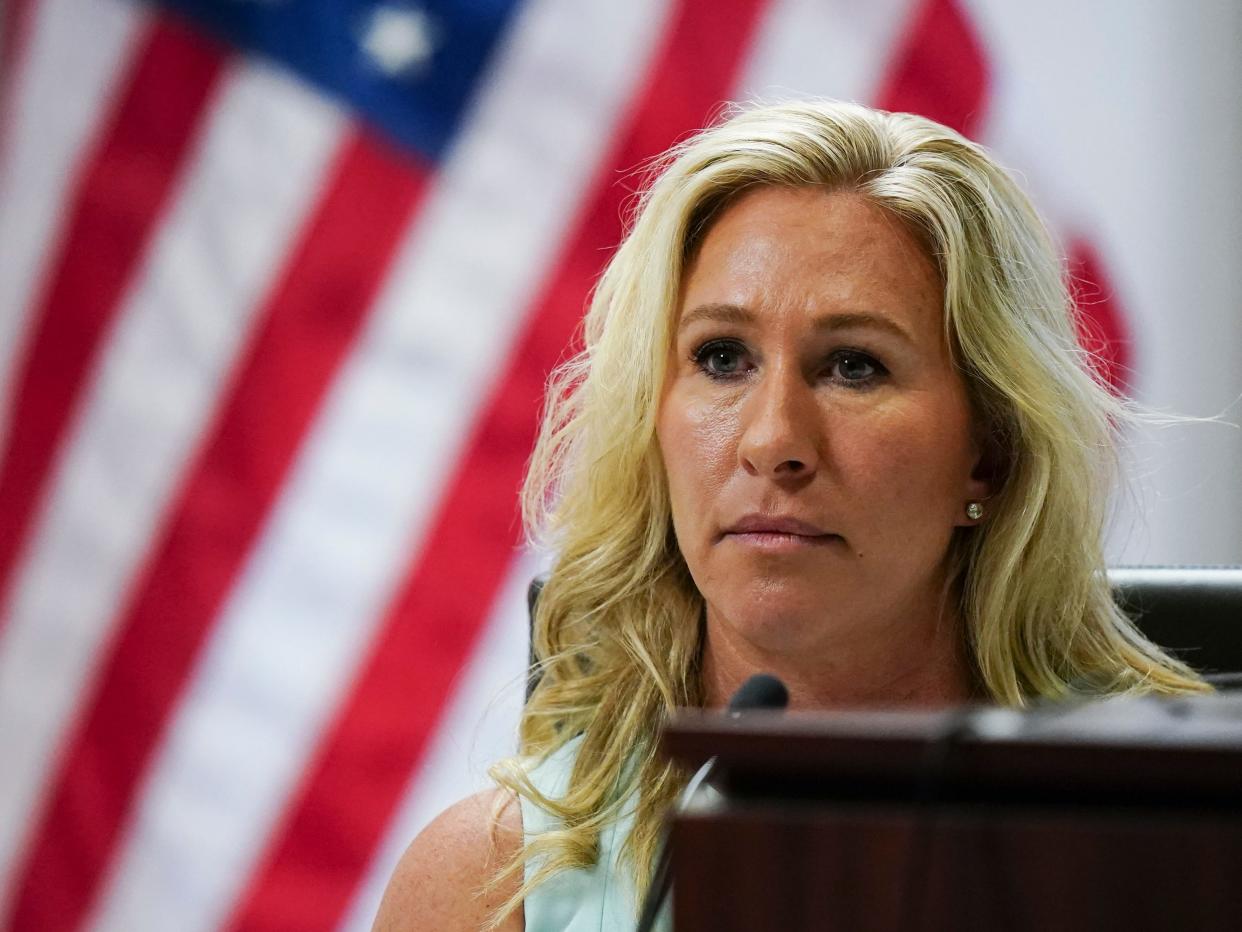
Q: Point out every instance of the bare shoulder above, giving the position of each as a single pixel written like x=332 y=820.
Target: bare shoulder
x=439 y=882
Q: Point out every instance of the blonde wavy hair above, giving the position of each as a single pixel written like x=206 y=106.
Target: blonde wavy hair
x=618 y=625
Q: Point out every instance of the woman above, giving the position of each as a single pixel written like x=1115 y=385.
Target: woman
x=832 y=423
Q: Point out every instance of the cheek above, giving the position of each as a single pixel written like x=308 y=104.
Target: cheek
x=913 y=457
x=698 y=441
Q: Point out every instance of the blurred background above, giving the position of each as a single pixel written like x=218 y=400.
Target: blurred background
x=280 y=285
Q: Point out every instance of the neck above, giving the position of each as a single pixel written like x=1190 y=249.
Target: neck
x=923 y=666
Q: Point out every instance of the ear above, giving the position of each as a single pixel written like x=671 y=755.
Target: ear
x=986 y=477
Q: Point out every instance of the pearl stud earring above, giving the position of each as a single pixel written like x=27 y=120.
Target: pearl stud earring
x=974 y=511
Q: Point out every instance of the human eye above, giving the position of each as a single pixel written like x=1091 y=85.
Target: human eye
x=855 y=368
x=722 y=359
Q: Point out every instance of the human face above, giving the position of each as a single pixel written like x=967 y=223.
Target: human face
x=816 y=435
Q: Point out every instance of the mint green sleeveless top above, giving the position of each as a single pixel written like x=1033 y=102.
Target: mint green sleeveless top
x=598 y=899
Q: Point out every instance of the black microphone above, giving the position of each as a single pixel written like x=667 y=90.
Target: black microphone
x=761 y=691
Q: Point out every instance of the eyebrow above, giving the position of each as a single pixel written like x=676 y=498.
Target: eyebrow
x=737 y=314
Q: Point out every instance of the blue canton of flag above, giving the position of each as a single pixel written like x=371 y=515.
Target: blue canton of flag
x=409 y=68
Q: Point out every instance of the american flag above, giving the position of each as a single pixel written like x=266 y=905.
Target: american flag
x=280 y=285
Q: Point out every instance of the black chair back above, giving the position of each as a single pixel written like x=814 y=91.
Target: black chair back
x=1195 y=612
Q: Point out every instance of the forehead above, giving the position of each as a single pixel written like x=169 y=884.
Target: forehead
x=813 y=251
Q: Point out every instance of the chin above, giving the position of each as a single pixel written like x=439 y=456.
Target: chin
x=779 y=618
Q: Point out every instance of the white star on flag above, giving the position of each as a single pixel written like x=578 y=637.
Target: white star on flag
x=398 y=40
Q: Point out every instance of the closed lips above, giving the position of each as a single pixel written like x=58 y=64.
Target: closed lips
x=769 y=524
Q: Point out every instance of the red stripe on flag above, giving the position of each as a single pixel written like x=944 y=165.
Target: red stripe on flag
x=17 y=16
x=1101 y=323
x=15 y=25
x=15 y=20
x=308 y=324
x=365 y=762
x=121 y=195
x=940 y=70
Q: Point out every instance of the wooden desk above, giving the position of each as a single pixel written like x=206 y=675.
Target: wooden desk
x=1126 y=815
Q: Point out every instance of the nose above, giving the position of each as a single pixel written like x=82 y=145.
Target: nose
x=780 y=430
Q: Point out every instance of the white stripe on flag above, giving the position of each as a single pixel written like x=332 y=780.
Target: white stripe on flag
x=477 y=729
x=812 y=48
x=352 y=514
x=76 y=52
x=247 y=189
